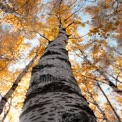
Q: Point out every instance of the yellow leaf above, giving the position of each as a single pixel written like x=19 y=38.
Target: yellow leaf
x=117 y=23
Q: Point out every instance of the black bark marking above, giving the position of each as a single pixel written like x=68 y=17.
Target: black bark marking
x=51 y=114
x=40 y=67
x=55 y=44
x=44 y=113
x=33 y=120
x=76 y=117
x=53 y=58
x=64 y=51
x=32 y=117
x=74 y=109
x=51 y=53
x=41 y=109
x=45 y=78
x=40 y=105
x=65 y=60
x=84 y=108
x=37 y=101
x=53 y=87
x=33 y=110
x=48 y=77
x=50 y=118
x=56 y=87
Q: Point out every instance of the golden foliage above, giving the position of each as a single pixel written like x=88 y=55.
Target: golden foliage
x=96 y=53
x=92 y=10
x=79 y=22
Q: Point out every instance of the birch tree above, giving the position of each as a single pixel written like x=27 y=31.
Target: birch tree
x=88 y=27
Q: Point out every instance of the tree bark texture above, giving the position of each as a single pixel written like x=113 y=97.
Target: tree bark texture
x=53 y=94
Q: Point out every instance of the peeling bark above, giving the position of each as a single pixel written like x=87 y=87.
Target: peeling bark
x=53 y=95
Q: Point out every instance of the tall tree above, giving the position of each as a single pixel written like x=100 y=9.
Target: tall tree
x=53 y=94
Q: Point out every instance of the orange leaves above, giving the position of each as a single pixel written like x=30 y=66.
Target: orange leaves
x=93 y=31
x=79 y=22
x=92 y=10
x=105 y=5
x=117 y=23
x=108 y=112
x=41 y=50
x=98 y=54
x=51 y=33
x=2 y=64
x=9 y=45
x=52 y=20
x=95 y=10
x=60 y=9
x=103 y=19
x=104 y=30
x=119 y=61
x=64 y=7
x=13 y=21
x=21 y=2
x=24 y=16
x=51 y=29
x=5 y=81
x=71 y=29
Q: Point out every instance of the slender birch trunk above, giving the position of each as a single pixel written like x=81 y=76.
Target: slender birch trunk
x=53 y=95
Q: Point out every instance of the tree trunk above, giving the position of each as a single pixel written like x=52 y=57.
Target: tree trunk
x=54 y=95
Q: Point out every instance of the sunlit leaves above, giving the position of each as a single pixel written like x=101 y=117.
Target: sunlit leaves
x=20 y=3
x=52 y=32
x=119 y=61
x=2 y=64
x=95 y=56
x=79 y=22
x=92 y=10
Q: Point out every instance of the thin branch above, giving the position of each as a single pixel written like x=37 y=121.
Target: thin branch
x=69 y=24
x=7 y=111
x=40 y=35
x=78 y=37
x=96 y=104
x=15 y=84
x=6 y=8
x=101 y=71
x=72 y=14
x=90 y=0
x=117 y=116
x=23 y=5
x=113 y=86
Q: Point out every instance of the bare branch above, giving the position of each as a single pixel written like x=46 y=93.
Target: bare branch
x=15 y=84
x=101 y=71
x=6 y=8
x=23 y=5
x=7 y=111
x=69 y=25
x=97 y=105
x=117 y=116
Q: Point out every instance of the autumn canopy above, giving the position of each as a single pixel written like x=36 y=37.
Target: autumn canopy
x=94 y=29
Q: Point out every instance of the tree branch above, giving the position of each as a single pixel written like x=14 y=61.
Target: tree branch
x=96 y=104
x=15 y=84
x=117 y=116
